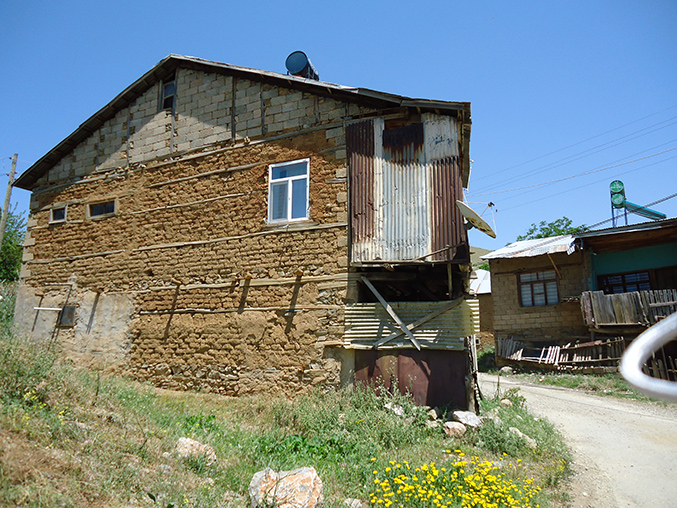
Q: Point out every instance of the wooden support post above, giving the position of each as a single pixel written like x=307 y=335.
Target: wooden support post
x=8 y=195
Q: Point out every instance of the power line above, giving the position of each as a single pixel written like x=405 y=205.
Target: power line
x=587 y=185
x=578 y=143
x=584 y=154
x=572 y=176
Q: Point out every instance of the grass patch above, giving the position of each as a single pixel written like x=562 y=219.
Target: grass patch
x=77 y=438
x=611 y=384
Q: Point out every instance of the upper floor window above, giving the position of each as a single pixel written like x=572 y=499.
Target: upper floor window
x=288 y=191
x=538 y=288
x=57 y=214
x=101 y=209
x=167 y=94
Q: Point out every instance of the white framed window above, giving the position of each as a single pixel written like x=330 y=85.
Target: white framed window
x=538 y=288
x=288 y=191
x=57 y=214
x=102 y=209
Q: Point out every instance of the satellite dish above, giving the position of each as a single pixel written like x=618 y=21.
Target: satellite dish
x=475 y=219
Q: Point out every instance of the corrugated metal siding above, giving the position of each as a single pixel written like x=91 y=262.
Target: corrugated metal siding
x=404 y=183
x=447 y=221
x=360 y=152
x=366 y=323
x=406 y=231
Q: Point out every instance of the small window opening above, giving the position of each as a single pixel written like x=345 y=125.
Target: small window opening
x=57 y=214
x=102 y=209
x=67 y=316
x=167 y=94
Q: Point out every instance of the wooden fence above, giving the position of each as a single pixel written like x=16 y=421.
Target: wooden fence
x=599 y=355
x=636 y=308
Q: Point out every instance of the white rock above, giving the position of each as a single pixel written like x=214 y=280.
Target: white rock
x=300 y=488
x=353 y=503
x=395 y=408
x=467 y=418
x=454 y=429
x=189 y=448
x=506 y=370
x=505 y=403
x=528 y=441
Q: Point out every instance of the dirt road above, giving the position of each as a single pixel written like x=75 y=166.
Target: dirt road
x=625 y=452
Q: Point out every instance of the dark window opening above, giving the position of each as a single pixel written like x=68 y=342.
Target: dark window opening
x=100 y=209
x=67 y=316
x=167 y=94
x=625 y=282
x=58 y=214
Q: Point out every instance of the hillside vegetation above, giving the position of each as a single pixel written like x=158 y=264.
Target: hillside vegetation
x=73 y=437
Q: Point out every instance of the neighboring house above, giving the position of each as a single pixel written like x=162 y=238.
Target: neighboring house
x=234 y=230
x=480 y=286
x=535 y=285
x=610 y=283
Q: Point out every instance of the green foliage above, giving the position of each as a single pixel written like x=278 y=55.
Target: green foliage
x=486 y=360
x=12 y=246
x=557 y=227
x=484 y=266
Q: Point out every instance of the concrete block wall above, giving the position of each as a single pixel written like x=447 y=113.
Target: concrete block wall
x=203 y=117
x=549 y=323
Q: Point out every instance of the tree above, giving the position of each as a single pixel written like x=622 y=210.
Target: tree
x=555 y=228
x=12 y=246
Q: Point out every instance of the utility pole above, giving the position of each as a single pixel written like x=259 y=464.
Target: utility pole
x=8 y=195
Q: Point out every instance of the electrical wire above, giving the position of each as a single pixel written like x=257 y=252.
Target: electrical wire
x=577 y=143
x=573 y=176
x=582 y=155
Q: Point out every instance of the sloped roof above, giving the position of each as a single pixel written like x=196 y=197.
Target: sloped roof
x=531 y=248
x=169 y=64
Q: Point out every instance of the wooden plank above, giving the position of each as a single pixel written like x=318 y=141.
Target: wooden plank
x=421 y=321
x=392 y=313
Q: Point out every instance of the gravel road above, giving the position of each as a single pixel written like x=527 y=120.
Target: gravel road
x=625 y=452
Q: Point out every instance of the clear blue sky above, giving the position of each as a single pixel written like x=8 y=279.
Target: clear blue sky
x=557 y=88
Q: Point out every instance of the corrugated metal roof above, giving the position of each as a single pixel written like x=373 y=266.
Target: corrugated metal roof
x=170 y=63
x=531 y=248
x=367 y=323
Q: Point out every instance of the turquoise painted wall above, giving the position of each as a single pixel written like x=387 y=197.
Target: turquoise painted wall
x=633 y=260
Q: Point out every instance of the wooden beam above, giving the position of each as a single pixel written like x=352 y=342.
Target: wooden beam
x=392 y=313
x=559 y=275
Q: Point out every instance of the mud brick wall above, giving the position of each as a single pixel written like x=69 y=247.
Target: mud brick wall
x=221 y=300
x=549 y=323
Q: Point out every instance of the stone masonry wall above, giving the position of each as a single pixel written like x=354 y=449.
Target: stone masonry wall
x=220 y=299
x=550 y=323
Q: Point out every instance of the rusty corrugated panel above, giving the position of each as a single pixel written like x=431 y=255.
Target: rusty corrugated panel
x=432 y=378
x=406 y=228
x=360 y=153
x=446 y=219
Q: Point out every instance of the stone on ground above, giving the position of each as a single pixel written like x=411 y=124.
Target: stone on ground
x=300 y=488
x=187 y=448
